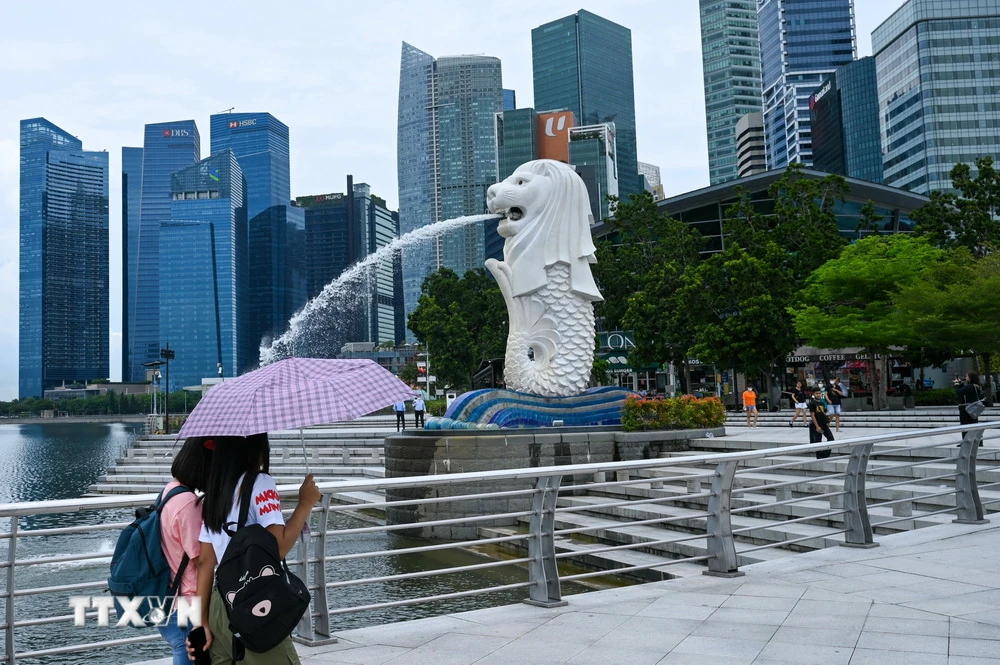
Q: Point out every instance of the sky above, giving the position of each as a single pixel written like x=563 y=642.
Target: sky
x=327 y=68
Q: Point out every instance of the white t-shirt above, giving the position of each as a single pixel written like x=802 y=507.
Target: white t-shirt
x=265 y=510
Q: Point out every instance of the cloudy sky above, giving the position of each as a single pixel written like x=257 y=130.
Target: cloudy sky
x=328 y=69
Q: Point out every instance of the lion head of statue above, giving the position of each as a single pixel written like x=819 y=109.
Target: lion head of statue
x=546 y=219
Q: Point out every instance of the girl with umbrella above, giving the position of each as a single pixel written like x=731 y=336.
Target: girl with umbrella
x=234 y=458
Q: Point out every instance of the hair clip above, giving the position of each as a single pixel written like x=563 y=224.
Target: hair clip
x=210 y=444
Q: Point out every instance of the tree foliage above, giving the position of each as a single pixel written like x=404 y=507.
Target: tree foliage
x=970 y=219
x=849 y=300
x=461 y=322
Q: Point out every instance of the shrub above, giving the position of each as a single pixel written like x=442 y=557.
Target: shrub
x=685 y=412
x=937 y=397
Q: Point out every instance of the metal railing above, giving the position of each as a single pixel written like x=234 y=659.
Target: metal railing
x=719 y=511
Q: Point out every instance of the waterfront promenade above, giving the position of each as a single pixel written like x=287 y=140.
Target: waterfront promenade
x=925 y=597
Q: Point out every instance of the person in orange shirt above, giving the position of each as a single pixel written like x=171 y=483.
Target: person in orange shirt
x=750 y=405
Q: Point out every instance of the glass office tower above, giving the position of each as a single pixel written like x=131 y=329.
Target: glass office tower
x=938 y=89
x=63 y=290
x=342 y=229
x=203 y=287
x=517 y=140
x=509 y=99
x=802 y=42
x=583 y=63
x=845 y=123
x=167 y=148
x=131 y=199
x=276 y=229
x=730 y=52
x=446 y=157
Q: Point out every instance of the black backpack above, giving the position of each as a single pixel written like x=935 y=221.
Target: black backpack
x=263 y=599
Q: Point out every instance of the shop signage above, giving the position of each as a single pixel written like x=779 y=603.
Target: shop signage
x=234 y=124
x=829 y=357
x=617 y=340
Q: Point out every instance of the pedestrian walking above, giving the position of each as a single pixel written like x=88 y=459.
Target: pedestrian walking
x=799 y=398
x=750 y=405
x=969 y=392
x=418 y=411
x=235 y=458
x=400 y=409
x=835 y=395
x=180 y=524
x=819 y=422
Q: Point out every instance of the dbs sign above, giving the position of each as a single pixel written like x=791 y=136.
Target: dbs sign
x=553 y=135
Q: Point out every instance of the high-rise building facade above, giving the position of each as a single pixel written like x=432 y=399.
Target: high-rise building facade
x=751 y=156
x=203 y=280
x=802 y=42
x=167 y=148
x=583 y=63
x=509 y=99
x=446 y=157
x=938 y=88
x=276 y=229
x=845 y=123
x=517 y=140
x=131 y=203
x=595 y=146
x=342 y=229
x=730 y=53
x=63 y=289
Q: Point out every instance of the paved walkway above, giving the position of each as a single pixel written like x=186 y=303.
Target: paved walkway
x=927 y=597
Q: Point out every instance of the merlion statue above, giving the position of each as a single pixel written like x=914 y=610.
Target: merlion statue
x=545 y=278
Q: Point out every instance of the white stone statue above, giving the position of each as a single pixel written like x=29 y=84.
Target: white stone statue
x=545 y=277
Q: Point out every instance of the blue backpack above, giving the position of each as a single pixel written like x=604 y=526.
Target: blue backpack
x=139 y=567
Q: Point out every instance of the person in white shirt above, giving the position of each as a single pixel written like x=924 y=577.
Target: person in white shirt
x=418 y=411
x=235 y=457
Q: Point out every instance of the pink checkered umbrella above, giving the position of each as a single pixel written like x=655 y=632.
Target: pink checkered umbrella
x=294 y=393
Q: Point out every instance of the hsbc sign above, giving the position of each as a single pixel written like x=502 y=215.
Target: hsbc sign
x=236 y=124
x=172 y=133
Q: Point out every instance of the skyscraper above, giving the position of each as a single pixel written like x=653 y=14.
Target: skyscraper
x=845 y=123
x=509 y=99
x=63 y=270
x=276 y=228
x=938 y=89
x=730 y=52
x=342 y=229
x=203 y=281
x=446 y=157
x=583 y=63
x=131 y=200
x=801 y=43
x=751 y=157
x=167 y=148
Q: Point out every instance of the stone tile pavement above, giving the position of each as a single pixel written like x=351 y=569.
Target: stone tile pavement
x=927 y=597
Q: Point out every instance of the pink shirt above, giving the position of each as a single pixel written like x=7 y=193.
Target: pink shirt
x=180 y=524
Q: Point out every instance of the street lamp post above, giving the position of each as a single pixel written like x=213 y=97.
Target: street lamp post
x=167 y=354
x=155 y=364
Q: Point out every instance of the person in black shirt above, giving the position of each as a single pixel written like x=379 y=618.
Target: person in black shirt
x=835 y=395
x=819 y=422
x=799 y=398
x=968 y=391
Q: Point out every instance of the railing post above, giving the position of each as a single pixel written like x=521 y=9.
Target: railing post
x=11 y=558
x=859 y=526
x=721 y=547
x=315 y=631
x=968 y=507
x=542 y=571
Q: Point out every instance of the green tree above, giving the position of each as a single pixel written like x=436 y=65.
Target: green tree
x=408 y=373
x=461 y=322
x=971 y=219
x=870 y=222
x=954 y=305
x=849 y=300
x=742 y=304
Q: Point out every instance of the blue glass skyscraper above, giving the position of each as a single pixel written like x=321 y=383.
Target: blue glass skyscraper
x=276 y=229
x=63 y=321
x=446 y=157
x=802 y=42
x=509 y=99
x=939 y=89
x=845 y=123
x=167 y=148
x=583 y=63
x=203 y=284
x=730 y=51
